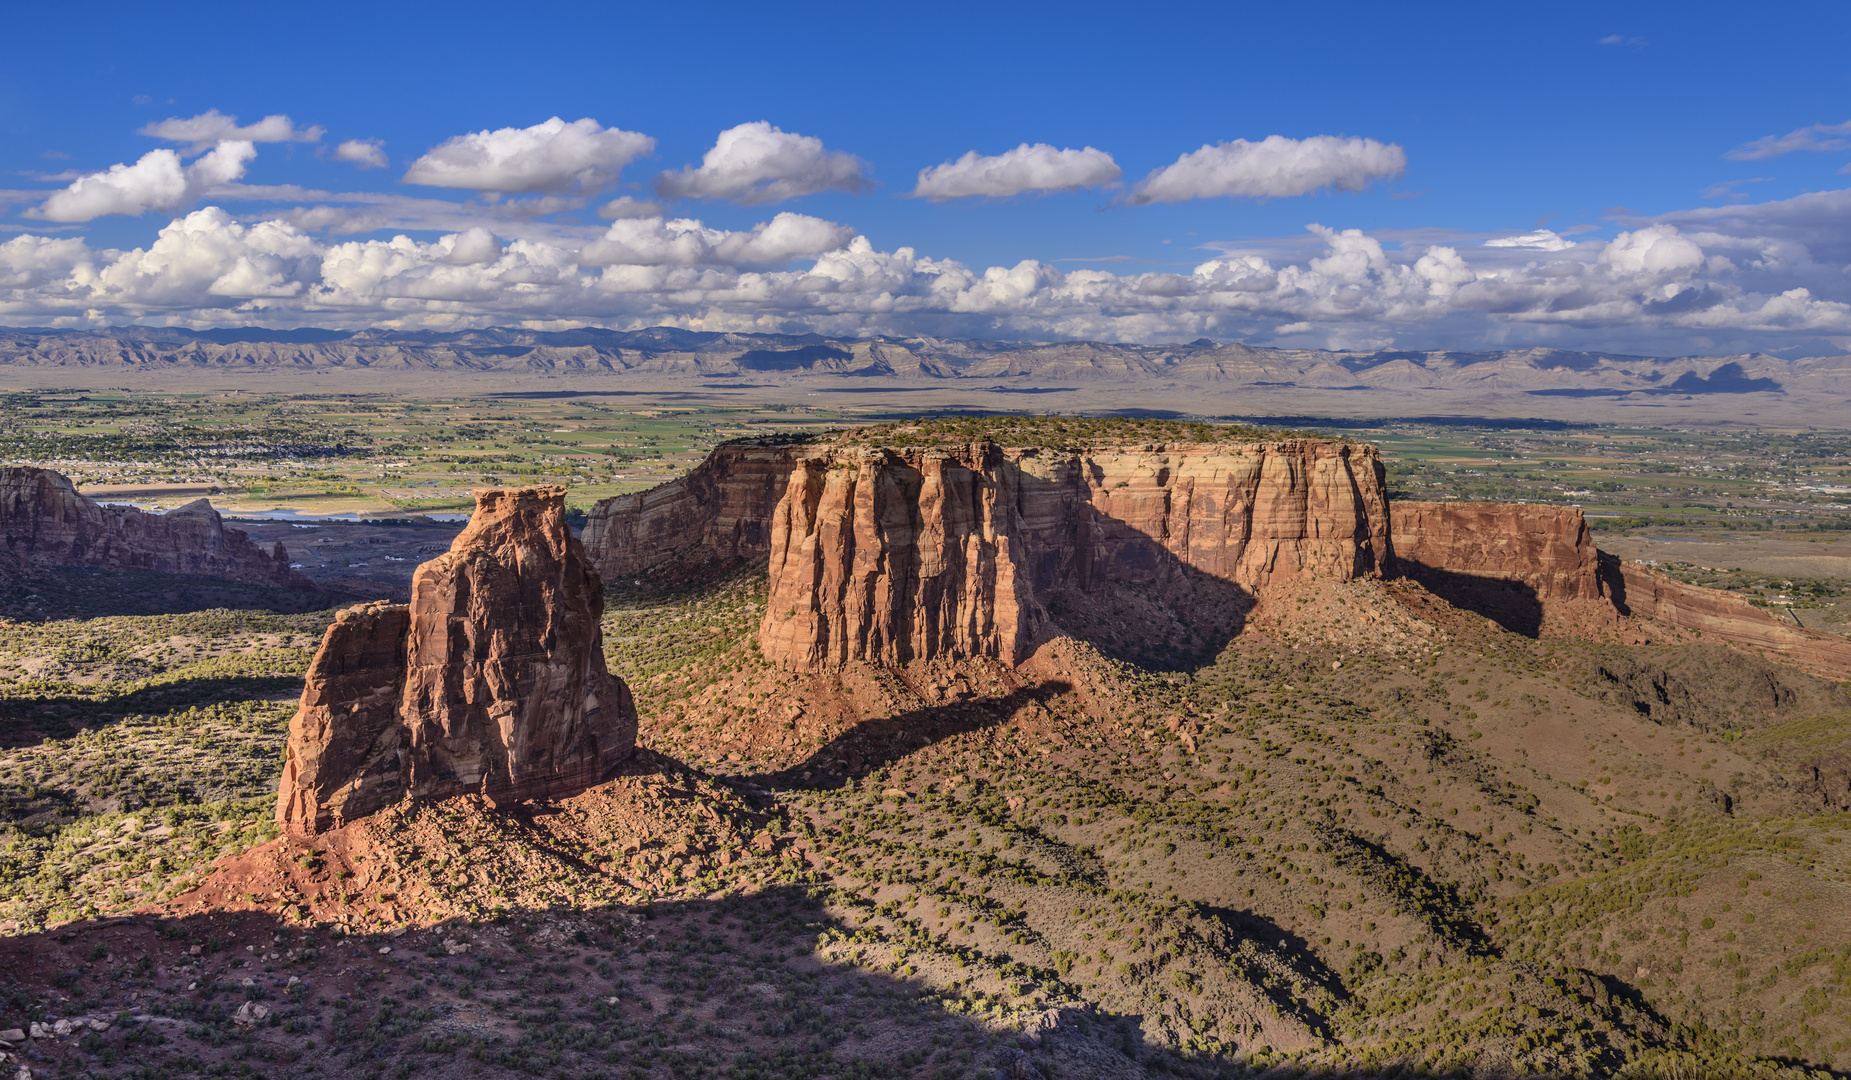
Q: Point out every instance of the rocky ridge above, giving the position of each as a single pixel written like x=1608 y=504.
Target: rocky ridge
x=670 y=352
x=45 y=522
x=896 y=554
x=969 y=547
x=492 y=681
x=935 y=547
x=718 y=513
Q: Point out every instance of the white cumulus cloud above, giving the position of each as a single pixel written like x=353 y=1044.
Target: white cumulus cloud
x=757 y=163
x=1274 y=167
x=207 y=255
x=211 y=127
x=1658 y=249
x=159 y=181
x=1539 y=240
x=33 y=261
x=686 y=242
x=553 y=157
x=626 y=206
x=1039 y=167
x=362 y=153
x=1718 y=279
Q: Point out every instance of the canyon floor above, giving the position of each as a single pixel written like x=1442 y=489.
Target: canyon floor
x=1424 y=843
x=1375 y=836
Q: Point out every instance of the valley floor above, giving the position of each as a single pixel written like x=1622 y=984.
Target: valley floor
x=1422 y=846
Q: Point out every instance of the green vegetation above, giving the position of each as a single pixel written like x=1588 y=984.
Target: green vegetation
x=1470 y=854
x=361 y=454
x=138 y=750
x=1627 y=478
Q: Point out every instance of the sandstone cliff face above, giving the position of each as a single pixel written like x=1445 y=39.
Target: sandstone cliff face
x=45 y=522
x=718 y=512
x=346 y=742
x=1548 y=553
x=891 y=555
x=491 y=681
x=1547 y=548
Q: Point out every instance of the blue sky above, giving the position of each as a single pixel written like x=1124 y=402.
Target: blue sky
x=1599 y=123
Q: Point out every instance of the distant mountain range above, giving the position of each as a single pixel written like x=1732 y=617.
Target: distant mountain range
x=669 y=351
x=1220 y=375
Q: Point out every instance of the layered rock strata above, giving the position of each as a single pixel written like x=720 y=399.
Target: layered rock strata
x=897 y=554
x=717 y=513
x=1548 y=552
x=491 y=681
x=1547 y=548
x=1722 y=616
x=44 y=521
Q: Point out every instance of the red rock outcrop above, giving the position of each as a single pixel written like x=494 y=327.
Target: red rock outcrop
x=717 y=513
x=897 y=554
x=1573 y=588
x=346 y=745
x=44 y=521
x=1547 y=548
x=491 y=681
x=1724 y=616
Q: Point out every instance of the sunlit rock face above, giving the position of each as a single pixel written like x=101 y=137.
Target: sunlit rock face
x=897 y=554
x=1548 y=554
x=491 y=681
x=718 y=513
x=1547 y=548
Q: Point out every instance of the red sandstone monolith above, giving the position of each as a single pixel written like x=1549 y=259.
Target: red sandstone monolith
x=491 y=681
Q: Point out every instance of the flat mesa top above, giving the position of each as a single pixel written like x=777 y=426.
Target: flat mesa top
x=1060 y=433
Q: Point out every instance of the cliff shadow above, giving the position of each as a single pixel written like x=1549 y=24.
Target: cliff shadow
x=32 y=718
x=1285 y=945
x=40 y=594
x=873 y=745
x=1613 y=579
x=738 y=985
x=1108 y=582
x=1513 y=605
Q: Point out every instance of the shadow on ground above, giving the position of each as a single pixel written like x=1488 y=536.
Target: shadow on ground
x=1513 y=605
x=732 y=986
x=36 y=594
x=873 y=745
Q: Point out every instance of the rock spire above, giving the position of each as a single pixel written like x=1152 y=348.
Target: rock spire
x=491 y=681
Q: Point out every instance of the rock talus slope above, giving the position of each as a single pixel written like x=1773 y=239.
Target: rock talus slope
x=44 y=521
x=896 y=554
x=491 y=681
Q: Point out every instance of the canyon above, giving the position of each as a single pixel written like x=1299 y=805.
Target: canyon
x=491 y=681
x=45 y=522
x=1036 y=745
